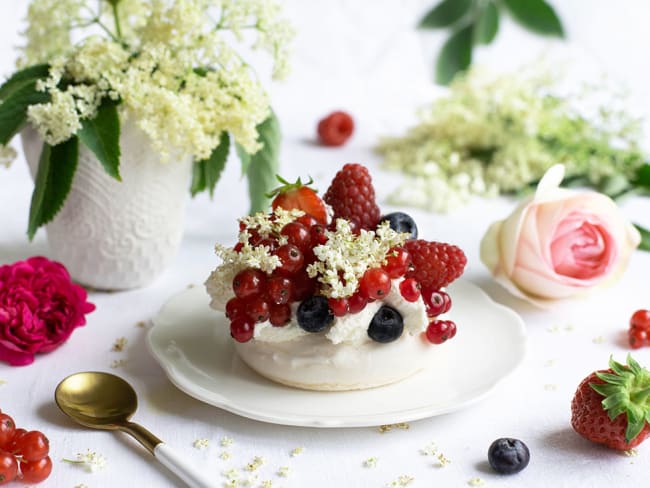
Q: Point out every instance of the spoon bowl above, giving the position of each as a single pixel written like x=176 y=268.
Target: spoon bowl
x=97 y=400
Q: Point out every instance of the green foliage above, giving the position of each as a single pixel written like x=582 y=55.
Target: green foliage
x=446 y=13
x=206 y=173
x=56 y=169
x=474 y=22
x=102 y=136
x=13 y=108
x=263 y=166
x=645 y=238
x=23 y=77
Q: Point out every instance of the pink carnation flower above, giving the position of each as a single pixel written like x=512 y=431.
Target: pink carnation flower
x=39 y=309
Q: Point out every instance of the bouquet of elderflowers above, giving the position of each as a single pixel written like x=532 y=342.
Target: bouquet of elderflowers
x=171 y=65
x=498 y=134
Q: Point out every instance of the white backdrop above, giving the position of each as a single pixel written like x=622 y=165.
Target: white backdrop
x=364 y=57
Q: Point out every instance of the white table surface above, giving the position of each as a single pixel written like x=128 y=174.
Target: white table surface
x=363 y=57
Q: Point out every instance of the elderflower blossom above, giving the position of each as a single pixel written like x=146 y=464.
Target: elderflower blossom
x=7 y=155
x=172 y=65
x=345 y=257
x=499 y=134
x=89 y=460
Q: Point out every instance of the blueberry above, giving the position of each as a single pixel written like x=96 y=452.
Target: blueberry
x=508 y=456
x=401 y=222
x=314 y=314
x=387 y=325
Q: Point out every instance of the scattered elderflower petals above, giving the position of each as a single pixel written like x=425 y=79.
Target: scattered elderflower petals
x=90 y=460
x=82 y=485
x=284 y=471
x=598 y=340
x=225 y=455
x=550 y=387
x=429 y=450
x=476 y=481
x=297 y=451
x=371 y=462
x=443 y=461
x=499 y=133
x=255 y=463
x=226 y=441
x=631 y=452
x=119 y=344
x=3 y=382
x=267 y=484
x=7 y=155
x=118 y=363
x=550 y=362
x=232 y=473
x=201 y=443
x=345 y=257
x=388 y=427
x=403 y=480
x=142 y=324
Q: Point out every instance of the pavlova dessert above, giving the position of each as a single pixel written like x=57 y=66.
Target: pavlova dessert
x=327 y=294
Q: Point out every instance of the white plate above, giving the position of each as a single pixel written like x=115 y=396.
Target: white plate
x=489 y=345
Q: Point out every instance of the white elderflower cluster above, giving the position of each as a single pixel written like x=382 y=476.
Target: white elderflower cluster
x=345 y=257
x=173 y=65
x=7 y=155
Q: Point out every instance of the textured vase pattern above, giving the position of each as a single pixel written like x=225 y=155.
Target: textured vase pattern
x=118 y=235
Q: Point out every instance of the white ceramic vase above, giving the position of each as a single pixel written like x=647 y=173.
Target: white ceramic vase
x=114 y=235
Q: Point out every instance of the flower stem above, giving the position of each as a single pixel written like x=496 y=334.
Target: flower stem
x=118 y=29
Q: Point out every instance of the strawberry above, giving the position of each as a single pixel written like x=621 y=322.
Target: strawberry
x=612 y=407
x=352 y=196
x=299 y=196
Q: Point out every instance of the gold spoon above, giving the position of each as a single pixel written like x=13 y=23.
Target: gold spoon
x=105 y=401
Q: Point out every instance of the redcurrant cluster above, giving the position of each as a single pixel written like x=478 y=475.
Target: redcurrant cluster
x=639 y=331
x=23 y=455
x=260 y=296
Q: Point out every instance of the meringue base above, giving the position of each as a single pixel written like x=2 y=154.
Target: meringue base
x=314 y=363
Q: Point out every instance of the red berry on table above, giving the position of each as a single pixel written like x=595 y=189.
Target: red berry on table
x=11 y=446
x=280 y=315
x=36 y=471
x=242 y=328
x=410 y=290
x=611 y=406
x=435 y=264
x=352 y=196
x=7 y=430
x=279 y=289
x=641 y=319
x=637 y=337
x=339 y=306
x=357 y=302
x=297 y=234
x=437 y=302
x=440 y=331
x=299 y=196
x=291 y=259
x=32 y=446
x=375 y=284
x=8 y=467
x=397 y=262
x=249 y=282
x=335 y=129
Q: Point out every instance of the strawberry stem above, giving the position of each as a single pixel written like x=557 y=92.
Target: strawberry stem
x=288 y=186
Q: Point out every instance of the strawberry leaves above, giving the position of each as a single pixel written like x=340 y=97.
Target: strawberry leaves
x=627 y=391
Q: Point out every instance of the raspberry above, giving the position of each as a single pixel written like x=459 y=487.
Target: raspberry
x=335 y=129
x=435 y=264
x=352 y=196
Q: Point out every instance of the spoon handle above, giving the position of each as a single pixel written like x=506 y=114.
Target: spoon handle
x=173 y=461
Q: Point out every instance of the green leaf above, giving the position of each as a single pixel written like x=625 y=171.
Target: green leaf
x=536 y=15
x=455 y=56
x=244 y=157
x=23 y=77
x=487 y=24
x=13 y=110
x=56 y=169
x=102 y=136
x=645 y=238
x=207 y=172
x=642 y=177
x=264 y=164
x=444 y=14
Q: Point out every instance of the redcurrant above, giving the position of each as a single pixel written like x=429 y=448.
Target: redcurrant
x=307 y=220
x=338 y=306
x=7 y=429
x=641 y=319
x=291 y=259
x=375 y=284
x=437 y=302
x=279 y=289
x=357 y=302
x=234 y=307
x=440 y=331
x=248 y=282
x=242 y=328
x=8 y=467
x=258 y=309
x=280 y=315
x=317 y=234
x=410 y=290
x=637 y=337
x=397 y=262
x=297 y=234
x=32 y=446
x=36 y=471
x=303 y=286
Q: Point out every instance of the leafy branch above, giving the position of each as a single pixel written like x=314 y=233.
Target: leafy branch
x=476 y=22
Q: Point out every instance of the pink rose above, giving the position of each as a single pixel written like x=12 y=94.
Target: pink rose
x=39 y=309
x=558 y=242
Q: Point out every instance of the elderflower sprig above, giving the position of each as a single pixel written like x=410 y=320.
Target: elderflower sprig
x=90 y=460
